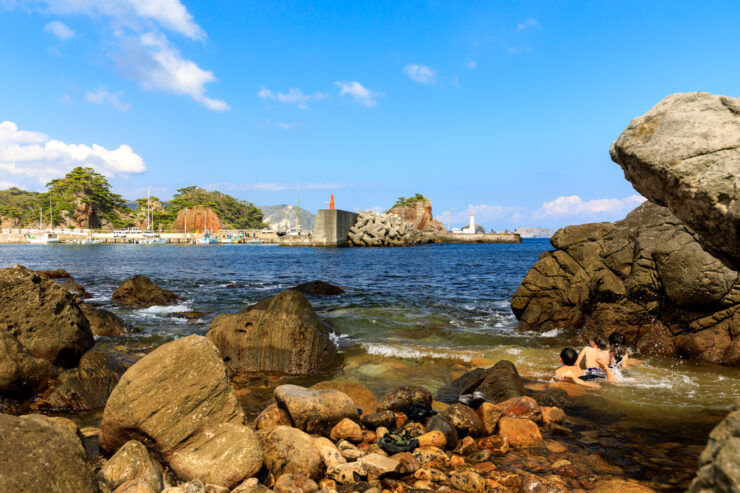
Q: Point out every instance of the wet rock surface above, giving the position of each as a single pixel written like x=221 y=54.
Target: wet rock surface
x=278 y=334
x=319 y=288
x=103 y=322
x=43 y=317
x=719 y=468
x=140 y=291
x=315 y=411
x=647 y=276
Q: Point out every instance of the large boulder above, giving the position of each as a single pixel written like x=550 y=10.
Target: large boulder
x=419 y=214
x=719 y=468
x=178 y=401
x=140 y=291
x=315 y=411
x=319 y=288
x=684 y=154
x=499 y=383
x=645 y=276
x=20 y=371
x=278 y=334
x=104 y=322
x=41 y=454
x=132 y=463
x=43 y=317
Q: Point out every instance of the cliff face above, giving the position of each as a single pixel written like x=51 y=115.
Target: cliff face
x=196 y=220
x=646 y=276
x=419 y=214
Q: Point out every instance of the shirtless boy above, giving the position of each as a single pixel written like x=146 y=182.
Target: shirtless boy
x=597 y=359
x=618 y=339
x=569 y=372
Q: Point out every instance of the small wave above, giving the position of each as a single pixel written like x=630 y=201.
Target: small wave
x=164 y=310
x=514 y=351
x=387 y=350
x=337 y=338
x=551 y=333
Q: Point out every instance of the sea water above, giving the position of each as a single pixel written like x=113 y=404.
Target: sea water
x=420 y=315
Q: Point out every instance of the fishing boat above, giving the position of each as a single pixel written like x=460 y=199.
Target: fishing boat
x=207 y=240
x=86 y=241
x=154 y=241
x=228 y=239
x=42 y=238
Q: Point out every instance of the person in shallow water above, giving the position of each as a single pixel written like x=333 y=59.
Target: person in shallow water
x=569 y=372
x=597 y=358
x=617 y=339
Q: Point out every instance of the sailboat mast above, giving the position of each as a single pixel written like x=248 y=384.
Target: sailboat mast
x=147 y=208
x=51 y=214
x=299 y=206
x=41 y=217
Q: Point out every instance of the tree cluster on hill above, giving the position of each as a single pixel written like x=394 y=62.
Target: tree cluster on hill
x=233 y=213
x=409 y=202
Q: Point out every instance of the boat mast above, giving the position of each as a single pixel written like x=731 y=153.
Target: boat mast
x=299 y=206
x=41 y=218
x=51 y=214
x=147 y=208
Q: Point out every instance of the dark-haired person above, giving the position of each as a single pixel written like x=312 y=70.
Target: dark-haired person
x=597 y=360
x=569 y=372
x=618 y=339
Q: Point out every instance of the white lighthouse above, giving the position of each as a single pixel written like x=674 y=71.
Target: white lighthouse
x=471 y=227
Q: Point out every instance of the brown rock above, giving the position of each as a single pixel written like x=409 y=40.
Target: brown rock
x=278 y=334
x=466 y=446
x=522 y=407
x=620 y=486
x=135 y=486
x=469 y=481
x=442 y=424
x=489 y=415
x=464 y=419
x=319 y=288
x=385 y=419
x=103 y=322
x=496 y=445
x=502 y=382
x=21 y=373
x=199 y=219
x=433 y=438
x=331 y=457
x=78 y=291
x=519 y=432
x=291 y=483
x=349 y=451
x=272 y=416
x=431 y=474
x=290 y=450
x=552 y=414
x=43 y=317
x=431 y=457
x=179 y=401
x=346 y=429
x=405 y=395
x=419 y=213
x=140 y=291
x=79 y=390
x=347 y=473
x=132 y=463
x=39 y=454
x=360 y=395
x=408 y=464
x=54 y=274
x=315 y=411
x=379 y=465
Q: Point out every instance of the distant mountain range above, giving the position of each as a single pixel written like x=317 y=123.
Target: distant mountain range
x=534 y=232
x=283 y=217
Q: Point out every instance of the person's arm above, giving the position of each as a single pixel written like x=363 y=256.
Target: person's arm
x=580 y=357
x=627 y=361
x=604 y=364
x=584 y=383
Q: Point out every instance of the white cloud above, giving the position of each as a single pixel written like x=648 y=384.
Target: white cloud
x=573 y=205
x=471 y=64
x=7 y=184
x=528 y=24
x=485 y=214
x=170 y=14
x=34 y=159
x=420 y=73
x=155 y=64
x=293 y=96
x=60 y=30
x=101 y=95
x=361 y=94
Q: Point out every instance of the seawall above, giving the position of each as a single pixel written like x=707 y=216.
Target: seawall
x=330 y=230
x=475 y=237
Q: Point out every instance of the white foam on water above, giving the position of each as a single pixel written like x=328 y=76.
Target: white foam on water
x=164 y=310
x=337 y=338
x=513 y=350
x=550 y=333
x=403 y=352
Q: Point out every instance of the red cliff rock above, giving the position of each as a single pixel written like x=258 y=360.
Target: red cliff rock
x=419 y=214
x=196 y=218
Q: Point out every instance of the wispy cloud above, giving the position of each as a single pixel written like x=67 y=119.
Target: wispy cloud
x=471 y=64
x=101 y=95
x=155 y=64
x=60 y=30
x=279 y=124
x=484 y=214
x=360 y=93
x=573 y=205
x=530 y=23
x=420 y=73
x=293 y=96
x=33 y=158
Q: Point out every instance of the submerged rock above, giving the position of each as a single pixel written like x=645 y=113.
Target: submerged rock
x=319 y=288
x=104 y=322
x=43 y=317
x=278 y=334
x=40 y=454
x=684 y=154
x=647 y=277
x=315 y=411
x=178 y=401
x=140 y=291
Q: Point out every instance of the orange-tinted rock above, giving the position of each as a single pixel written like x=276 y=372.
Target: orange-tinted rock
x=408 y=464
x=434 y=438
x=346 y=429
x=464 y=419
x=431 y=457
x=484 y=468
x=197 y=217
x=430 y=474
x=289 y=483
x=519 y=432
x=405 y=395
x=555 y=447
x=521 y=407
x=468 y=481
x=489 y=415
x=360 y=395
x=552 y=414
x=420 y=215
x=620 y=486
x=497 y=445
x=272 y=416
x=466 y=446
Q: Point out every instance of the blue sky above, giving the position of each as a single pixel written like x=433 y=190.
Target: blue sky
x=509 y=107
